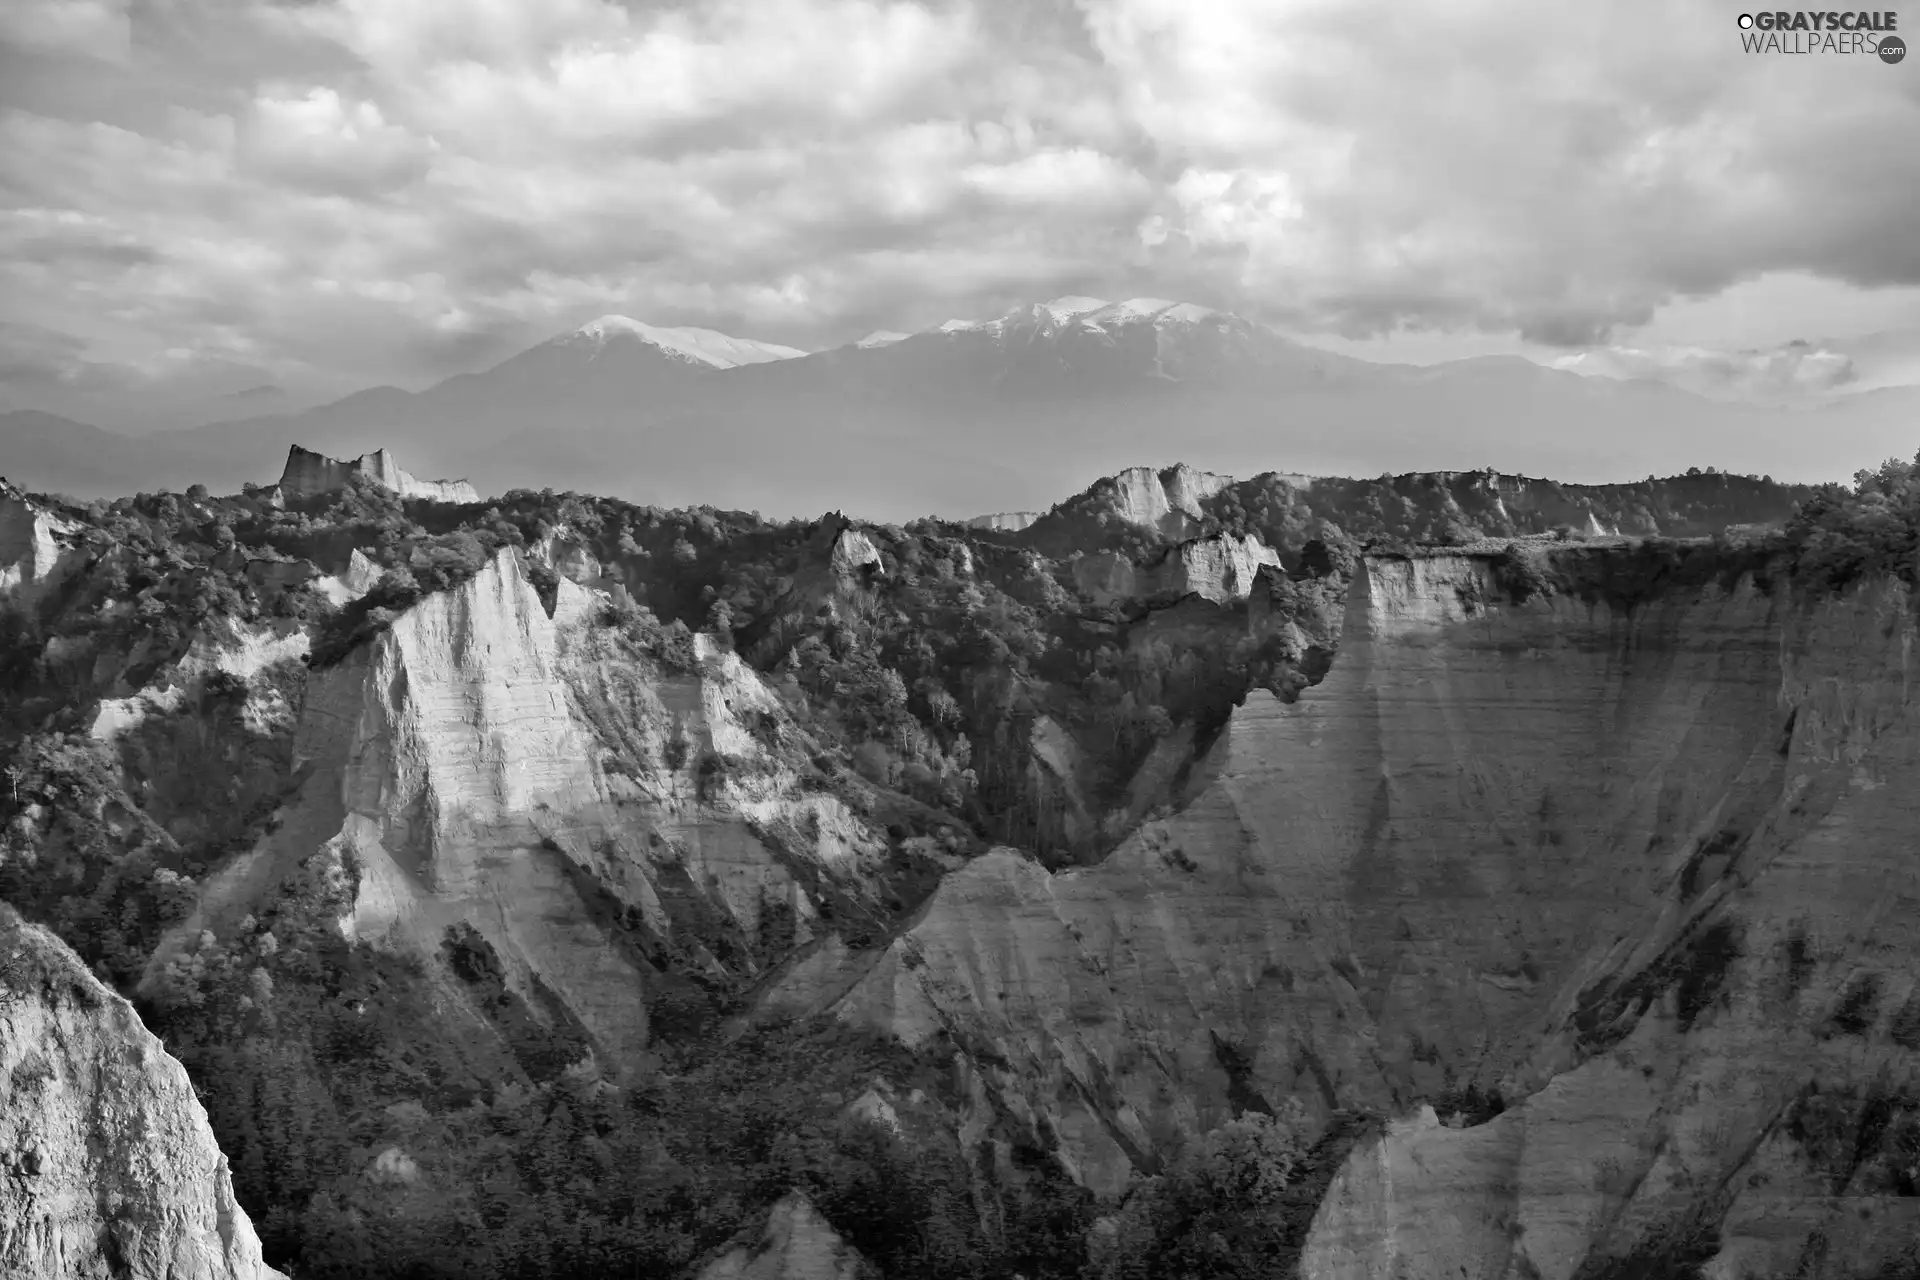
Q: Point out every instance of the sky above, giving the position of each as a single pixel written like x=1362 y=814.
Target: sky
x=209 y=207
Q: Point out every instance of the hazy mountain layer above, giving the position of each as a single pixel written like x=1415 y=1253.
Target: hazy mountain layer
x=933 y=422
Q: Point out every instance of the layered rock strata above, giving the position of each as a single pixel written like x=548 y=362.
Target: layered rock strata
x=488 y=765
x=110 y=1167
x=308 y=474
x=1736 y=1071
x=1004 y=521
x=1219 y=568
x=1167 y=501
x=1560 y=847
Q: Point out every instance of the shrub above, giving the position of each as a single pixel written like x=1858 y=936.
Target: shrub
x=1521 y=573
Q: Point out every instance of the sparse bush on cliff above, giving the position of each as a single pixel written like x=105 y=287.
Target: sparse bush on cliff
x=1838 y=537
x=1213 y=1213
x=1521 y=573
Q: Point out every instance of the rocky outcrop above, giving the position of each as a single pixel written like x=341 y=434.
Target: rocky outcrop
x=837 y=568
x=1220 y=567
x=308 y=474
x=238 y=650
x=1004 y=521
x=796 y=1244
x=1608 y=811
x=589 y=813
x=1166 y=501
x=110 y=1167
x=37 y=546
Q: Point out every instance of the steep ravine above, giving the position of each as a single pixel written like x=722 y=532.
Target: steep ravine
x=1560 y=848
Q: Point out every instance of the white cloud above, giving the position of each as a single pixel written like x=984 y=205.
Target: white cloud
x=89 y=28
x=1794 y=371
x=320 y=139
x=394 y=191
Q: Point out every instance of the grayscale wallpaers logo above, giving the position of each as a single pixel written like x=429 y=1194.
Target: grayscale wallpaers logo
x=1797 y=32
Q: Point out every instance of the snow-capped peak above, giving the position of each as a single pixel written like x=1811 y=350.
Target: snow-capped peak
x=1159 y=310
x=1063 y=309
x=881 y=338
x=1075 y=311
x=693 y=345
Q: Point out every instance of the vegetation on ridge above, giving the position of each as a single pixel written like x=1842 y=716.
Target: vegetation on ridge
x=932 y=677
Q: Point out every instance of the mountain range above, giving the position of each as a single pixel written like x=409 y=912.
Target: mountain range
x=973 y=416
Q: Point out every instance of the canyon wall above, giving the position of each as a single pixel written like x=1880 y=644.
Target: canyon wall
x=110 y=1167
x=308 y=474
x=1494 y=837
x=487 y=765
x=1734 y=1072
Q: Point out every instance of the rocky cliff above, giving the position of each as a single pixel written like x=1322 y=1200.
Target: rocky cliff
x=493 y=769
x=37 y=546
x=308 y=473
x=1004 y=521
x=1614 y=800
x=795 y=1244
x=1730 y=1067
x=1219 y=567
x=110 y=1168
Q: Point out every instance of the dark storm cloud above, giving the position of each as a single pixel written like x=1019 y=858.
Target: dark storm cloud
x=389 y=192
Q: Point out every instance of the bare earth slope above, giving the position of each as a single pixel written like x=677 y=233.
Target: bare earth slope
x=485 y=765
x=1745 y=1053
x=111 y=1169
x=1491 y=821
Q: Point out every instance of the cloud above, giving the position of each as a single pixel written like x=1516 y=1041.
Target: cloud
x=89 y=28
x=318 y=139
x=1561 y=176
x=364 y=192
x=1796 y=370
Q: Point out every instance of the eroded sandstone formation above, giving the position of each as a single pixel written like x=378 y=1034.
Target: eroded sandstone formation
x=110 y=1168
x=1004 y=521
x=1220 y=567
x=1666 y=821
x=1167 y=501
x=796 y=1244
x=308 y=474
x=36 y=546
x=488 y=765
x=1740 y=1064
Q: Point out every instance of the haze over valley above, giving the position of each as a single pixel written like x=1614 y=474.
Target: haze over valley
x=975 y=416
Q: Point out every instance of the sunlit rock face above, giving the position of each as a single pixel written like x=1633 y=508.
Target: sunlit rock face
x=796 y=1244
x=1166 y=501
x=1474 y=852
x=1220 y=568
x=308 y=474
x=1004 y=521
x=594 y=816
x=37 y=547
x=110 y=1167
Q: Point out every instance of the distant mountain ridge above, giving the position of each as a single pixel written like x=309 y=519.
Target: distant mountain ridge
x=1001 y=414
